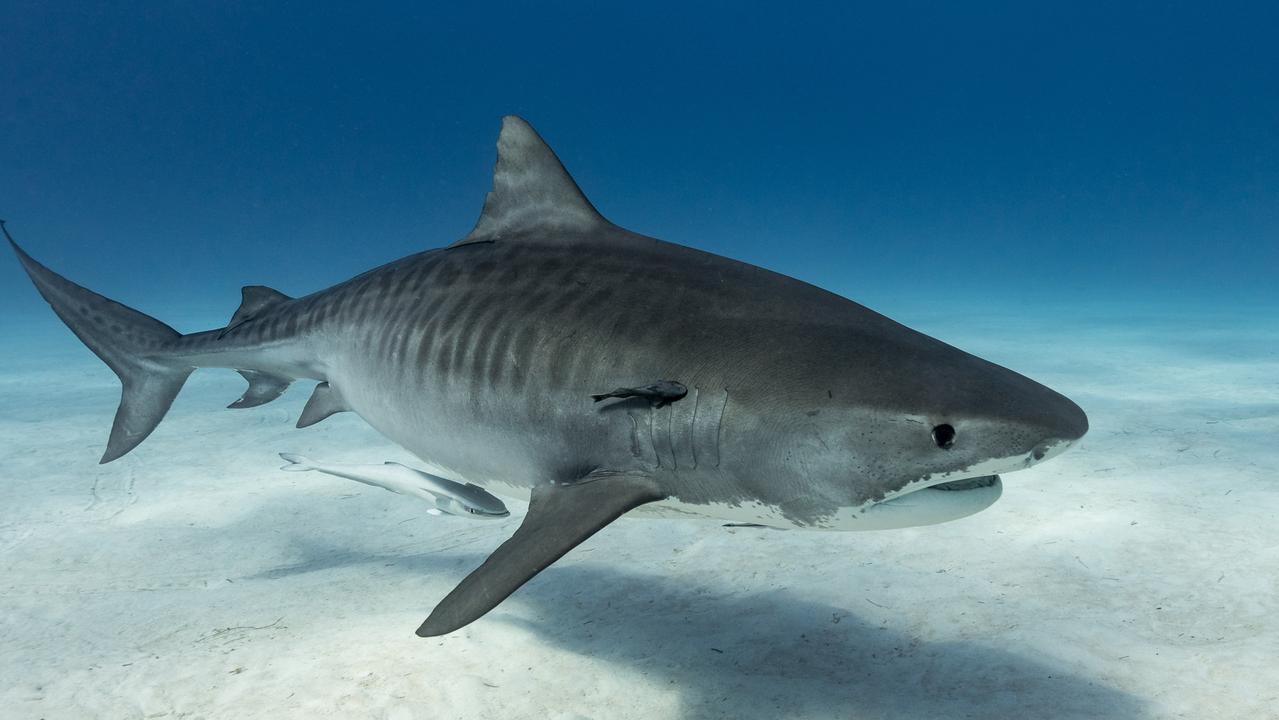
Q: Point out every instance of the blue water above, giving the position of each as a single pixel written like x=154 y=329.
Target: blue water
x=1004 y=151
x=1088 y=193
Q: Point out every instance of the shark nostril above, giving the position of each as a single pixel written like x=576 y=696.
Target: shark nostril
x=1039 y=452
x=944 y=436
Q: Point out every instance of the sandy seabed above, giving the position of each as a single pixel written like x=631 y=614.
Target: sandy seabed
x=1136 y=576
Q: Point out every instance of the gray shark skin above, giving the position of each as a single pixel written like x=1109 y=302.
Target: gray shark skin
x=554 y=356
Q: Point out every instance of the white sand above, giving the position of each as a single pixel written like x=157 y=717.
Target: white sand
x=1133 y=577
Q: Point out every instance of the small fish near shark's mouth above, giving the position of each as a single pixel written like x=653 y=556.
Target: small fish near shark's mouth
x=974 y=483
x=929 y=504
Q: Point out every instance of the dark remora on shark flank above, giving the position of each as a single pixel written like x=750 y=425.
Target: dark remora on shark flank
x=554 y=356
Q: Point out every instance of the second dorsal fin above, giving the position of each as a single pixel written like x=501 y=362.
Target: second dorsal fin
x=253 y=300
x=531 y=190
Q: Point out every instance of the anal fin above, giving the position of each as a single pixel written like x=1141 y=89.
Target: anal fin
x=263 y=388
x=559 y=518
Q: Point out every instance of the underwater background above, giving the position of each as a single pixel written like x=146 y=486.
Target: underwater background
x=1008 y=152
x=1087 y=193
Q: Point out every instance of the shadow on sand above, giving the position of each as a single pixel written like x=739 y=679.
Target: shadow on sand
x=769 y=655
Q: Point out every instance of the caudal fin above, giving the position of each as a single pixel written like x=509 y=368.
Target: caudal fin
x=137 y=347
x=296 y=463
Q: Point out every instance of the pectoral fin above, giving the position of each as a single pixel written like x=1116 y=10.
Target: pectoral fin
x=559 y=518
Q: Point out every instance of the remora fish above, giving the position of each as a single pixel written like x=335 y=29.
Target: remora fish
x=446 y=496
x=555 y=356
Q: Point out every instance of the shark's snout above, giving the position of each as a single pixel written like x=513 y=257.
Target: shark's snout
x=1039 y=421
x=1076 y=424
x=1068 y=424
x=1061 y=425
x=1051 y=425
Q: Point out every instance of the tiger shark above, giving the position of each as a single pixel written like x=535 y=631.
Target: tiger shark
x=555 y=357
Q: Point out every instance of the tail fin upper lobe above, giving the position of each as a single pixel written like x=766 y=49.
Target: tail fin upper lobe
x=134 y=345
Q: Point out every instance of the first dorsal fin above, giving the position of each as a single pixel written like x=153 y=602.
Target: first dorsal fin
x=531 y=190
x=253 y=300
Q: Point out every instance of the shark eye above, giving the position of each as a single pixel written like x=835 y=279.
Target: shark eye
x=944 y=436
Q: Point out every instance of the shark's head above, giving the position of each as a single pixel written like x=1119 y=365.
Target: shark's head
x=941 y=448
x=878 y=426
